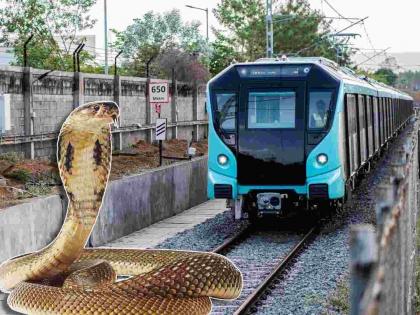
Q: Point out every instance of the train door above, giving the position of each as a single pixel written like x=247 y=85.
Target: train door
x=376 y=123
x=351 y=133
x=386 y=133
x=369 y=133
x=383 y=121
x=271 y=133
x=362 y=128
x=388 y=118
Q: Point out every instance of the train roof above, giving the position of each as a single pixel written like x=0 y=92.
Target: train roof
x=353 y=83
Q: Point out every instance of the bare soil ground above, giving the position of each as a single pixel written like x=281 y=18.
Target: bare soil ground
x=30 y=178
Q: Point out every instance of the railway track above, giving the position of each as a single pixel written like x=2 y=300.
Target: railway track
x=263 y=257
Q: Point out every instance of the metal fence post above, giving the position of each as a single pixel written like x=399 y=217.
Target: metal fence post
x=195 y=111
x=148 y=112
x=174 y=111
x=78 y=91
x=363 y=256
x=117 y=97
x=28 y=110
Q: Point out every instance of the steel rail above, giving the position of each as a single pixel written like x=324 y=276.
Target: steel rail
x=223 y=248
x=246 y=306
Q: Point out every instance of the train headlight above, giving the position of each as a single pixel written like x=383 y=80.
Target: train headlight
x=322 y=159
x=222 y=159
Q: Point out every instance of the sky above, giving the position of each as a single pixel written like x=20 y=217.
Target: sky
x=390 y=23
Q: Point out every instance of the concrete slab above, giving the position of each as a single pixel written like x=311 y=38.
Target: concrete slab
x=162 y=230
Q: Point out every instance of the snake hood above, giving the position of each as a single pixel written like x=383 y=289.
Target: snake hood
x=92 y=117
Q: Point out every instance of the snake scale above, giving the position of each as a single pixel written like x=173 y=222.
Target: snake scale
x=67 y=278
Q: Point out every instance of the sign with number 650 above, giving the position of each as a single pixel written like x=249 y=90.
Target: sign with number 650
x=159 y=91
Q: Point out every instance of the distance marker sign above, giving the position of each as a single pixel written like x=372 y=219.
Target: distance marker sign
x=159 y=92
x=161 y=129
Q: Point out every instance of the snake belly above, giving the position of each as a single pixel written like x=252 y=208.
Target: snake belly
x=67 y=278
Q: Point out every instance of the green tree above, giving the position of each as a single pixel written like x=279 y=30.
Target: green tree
x=408 y=79
x=298 y=30
x=223 y=53
x=155 y=34
x=386 y=76
x=54 y=25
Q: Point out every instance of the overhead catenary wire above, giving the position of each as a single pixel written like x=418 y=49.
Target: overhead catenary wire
x=349 y=20
x=375 y=55
x=329 y=35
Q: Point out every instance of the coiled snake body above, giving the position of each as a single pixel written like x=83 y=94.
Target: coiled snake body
x=66 y=278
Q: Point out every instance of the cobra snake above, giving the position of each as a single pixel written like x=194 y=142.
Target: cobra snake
x=67 y=278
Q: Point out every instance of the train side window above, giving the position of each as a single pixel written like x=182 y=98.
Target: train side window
x=226 y=111
x=319 y=109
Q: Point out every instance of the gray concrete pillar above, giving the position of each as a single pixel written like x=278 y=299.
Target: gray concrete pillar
x=28 y=110
x=195 y=111
x=78 y=90
x=174 y=111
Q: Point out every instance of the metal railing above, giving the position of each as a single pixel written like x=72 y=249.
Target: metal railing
x=19 y=139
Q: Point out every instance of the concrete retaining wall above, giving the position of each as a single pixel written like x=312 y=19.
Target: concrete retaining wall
x=140 y=200
x=30 y=226
x=130 y=204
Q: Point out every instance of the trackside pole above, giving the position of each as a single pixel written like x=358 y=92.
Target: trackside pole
x=160 y=152
x=160 y=135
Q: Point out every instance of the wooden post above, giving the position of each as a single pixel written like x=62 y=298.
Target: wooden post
x=363 y=256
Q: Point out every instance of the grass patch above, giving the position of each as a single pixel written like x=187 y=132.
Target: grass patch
x=12 y=157
x=339 y=301
x=39 y=189
x=20 y=175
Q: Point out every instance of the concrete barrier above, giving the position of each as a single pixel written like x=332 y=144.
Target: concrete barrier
x=140 y=200
x=130 y=204
x=30 y=226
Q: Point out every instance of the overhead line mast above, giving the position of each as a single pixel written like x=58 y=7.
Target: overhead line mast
x=269 y=28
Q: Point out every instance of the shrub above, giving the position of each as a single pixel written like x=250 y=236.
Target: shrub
x=20 y=174
x=12 y=157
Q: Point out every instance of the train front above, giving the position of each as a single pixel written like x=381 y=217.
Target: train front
x=274 y=137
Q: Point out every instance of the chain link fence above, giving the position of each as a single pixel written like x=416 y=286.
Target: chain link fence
x=383 y=258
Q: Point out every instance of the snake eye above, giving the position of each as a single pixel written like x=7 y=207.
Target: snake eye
x=96 y=108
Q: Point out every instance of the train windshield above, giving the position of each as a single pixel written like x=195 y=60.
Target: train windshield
x=271 y=109
x=226 y=111
x=225 y=116
x=319 y=109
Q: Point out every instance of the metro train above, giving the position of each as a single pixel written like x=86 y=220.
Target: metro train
x=295 y=133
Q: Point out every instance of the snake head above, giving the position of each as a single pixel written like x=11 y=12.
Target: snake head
x=95 y=115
